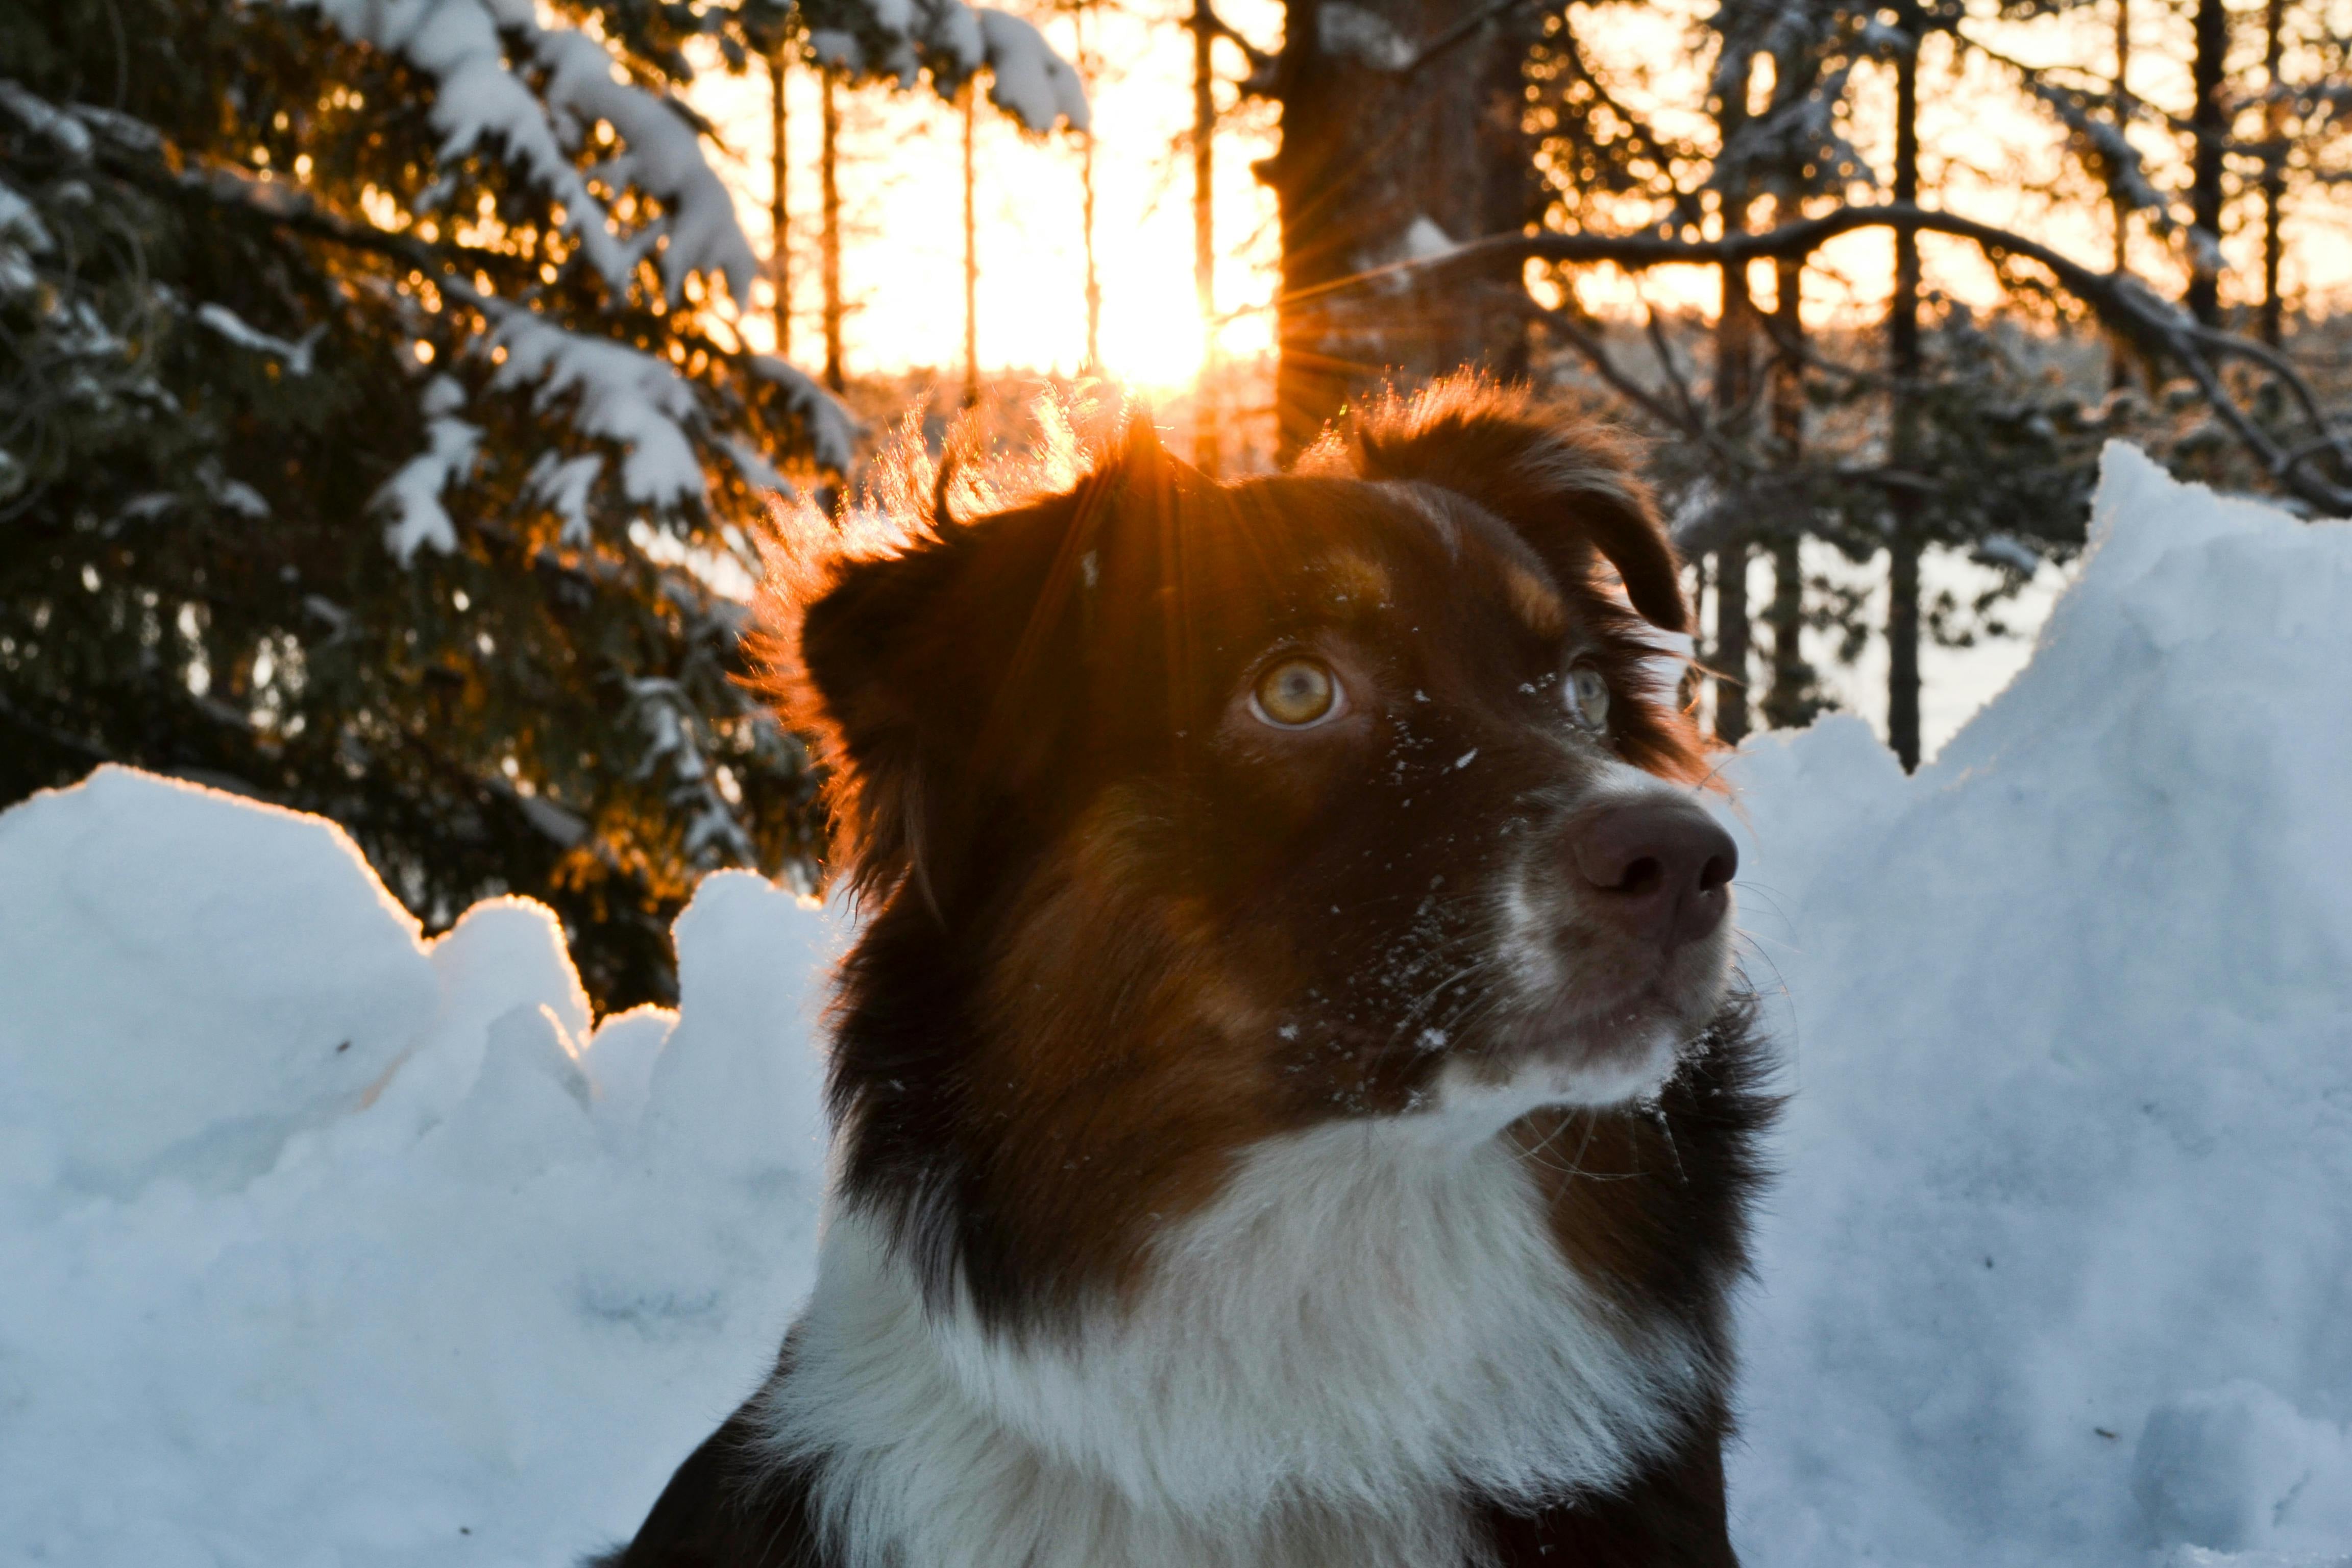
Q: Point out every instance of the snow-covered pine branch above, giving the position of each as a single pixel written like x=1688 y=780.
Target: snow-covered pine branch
x=898 y=40
x=474 y=52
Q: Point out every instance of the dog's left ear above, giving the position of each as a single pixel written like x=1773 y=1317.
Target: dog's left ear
x=1568 y=487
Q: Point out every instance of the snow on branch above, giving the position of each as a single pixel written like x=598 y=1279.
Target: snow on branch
x=295 y=356
x=661 y=152
x=481 y=103
x=1353 y=33
x=1026 y=79
x=618 y=393
x=899 y=38
x=832 y=429
x=673 y=731
x=412 y=495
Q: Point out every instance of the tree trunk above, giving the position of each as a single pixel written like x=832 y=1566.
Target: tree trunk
x=1731 y=649
x=1206 y=437
x=1791 y=700
x=969 y=99
x=2119 y=347
x=1402 y=130
x=2274 y=171
x=2208 y=121
x=829 y=244
x=780 y=229
x=1903 y=649
x=1735 y=374
x=1904 y=361
x=1094 y=273
x=1086 y=71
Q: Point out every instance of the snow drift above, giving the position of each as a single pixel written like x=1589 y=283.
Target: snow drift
x=2061 y=1267
x=324 y=1243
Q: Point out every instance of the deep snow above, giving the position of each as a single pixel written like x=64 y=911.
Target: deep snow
x=323 y=1245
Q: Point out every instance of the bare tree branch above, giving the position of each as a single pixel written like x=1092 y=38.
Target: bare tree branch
x=2121 y=301
x=1460 y=33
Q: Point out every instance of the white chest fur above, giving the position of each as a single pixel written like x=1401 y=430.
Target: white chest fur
x=1362 y=1325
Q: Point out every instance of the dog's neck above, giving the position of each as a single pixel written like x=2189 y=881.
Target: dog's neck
x=1364 y=1329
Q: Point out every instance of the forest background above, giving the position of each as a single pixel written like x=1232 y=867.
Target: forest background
x=393 y=388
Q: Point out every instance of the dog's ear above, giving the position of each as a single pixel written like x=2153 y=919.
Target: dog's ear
x=1568 y=487
x=940 y=677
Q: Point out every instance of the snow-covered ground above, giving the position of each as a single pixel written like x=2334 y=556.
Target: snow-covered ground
x=322 y=1245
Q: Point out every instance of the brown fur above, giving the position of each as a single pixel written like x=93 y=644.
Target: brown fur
x=1121 y=929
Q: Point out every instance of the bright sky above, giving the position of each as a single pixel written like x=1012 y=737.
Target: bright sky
x=902 y=259
x=900 y=178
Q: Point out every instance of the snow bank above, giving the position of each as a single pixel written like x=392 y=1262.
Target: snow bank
x=2060 y=1268
x=328 y=1245
x=325 y=1245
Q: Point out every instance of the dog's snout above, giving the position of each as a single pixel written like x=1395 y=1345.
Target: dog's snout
x=1663 y=868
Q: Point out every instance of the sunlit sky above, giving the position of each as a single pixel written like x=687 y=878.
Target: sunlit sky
x=1985 y=155
x=902 y=256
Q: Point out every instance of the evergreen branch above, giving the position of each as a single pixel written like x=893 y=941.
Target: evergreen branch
x=1263 y=66
x=297 y=212
x=1644 y=139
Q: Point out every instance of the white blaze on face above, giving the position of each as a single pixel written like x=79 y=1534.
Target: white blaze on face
x=1532 y=905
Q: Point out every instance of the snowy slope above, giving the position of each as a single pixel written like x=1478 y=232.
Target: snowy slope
x=322 y=1245
x=2061 y=1267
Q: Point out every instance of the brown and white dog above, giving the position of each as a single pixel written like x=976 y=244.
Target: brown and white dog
x=1292 y=1104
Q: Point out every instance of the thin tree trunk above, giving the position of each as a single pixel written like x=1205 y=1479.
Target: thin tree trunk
x=829 y=245
x=1790 y=700
x=2208 y=121
x=1731 y=649
x=1206 y=437
x=971 y=100
x=1735 y=374
x=1903 y=343
x=1086 y=185
x=2119 y=348
x=1903 y=649
x=1687 y=692
x=780 y=228
x=1094 y=274
x=2274 y=171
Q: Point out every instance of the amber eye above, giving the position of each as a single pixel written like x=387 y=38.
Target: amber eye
x=1292 y=693
x=1587 y=697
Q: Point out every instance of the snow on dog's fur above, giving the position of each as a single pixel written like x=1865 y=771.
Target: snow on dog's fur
x=1291 y=1105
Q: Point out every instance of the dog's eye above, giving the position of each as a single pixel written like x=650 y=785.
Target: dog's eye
x=1292 y=693
x=1587 y=697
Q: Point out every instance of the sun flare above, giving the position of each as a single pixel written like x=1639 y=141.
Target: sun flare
x=1156 y=351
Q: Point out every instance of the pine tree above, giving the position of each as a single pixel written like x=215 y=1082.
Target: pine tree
x=381 y=443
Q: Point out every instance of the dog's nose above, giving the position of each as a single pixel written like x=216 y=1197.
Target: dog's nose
x=1662 y=867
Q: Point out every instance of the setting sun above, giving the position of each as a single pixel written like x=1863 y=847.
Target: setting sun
x=1155 y=353
x=902 y=250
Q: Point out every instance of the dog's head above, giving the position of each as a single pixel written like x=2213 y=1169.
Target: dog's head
x=1197 y=813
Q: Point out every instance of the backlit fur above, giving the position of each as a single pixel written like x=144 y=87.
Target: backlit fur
x=1255 y=1146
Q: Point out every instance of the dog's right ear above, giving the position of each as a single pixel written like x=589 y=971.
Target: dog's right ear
x=894 y=662
x=940 y=676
